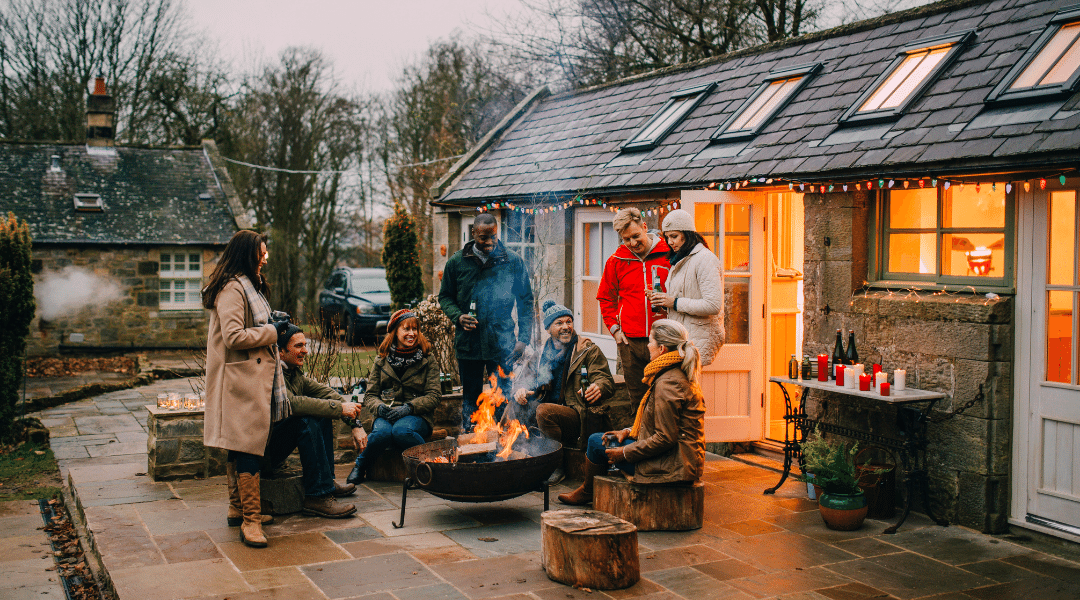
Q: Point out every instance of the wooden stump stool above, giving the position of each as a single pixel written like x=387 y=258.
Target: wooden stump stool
x=589 y=548
x=676 y=507
x=282 y=496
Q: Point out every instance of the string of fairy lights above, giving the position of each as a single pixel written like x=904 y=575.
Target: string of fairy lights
x=552 y=202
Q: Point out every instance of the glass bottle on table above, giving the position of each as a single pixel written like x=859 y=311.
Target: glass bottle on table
x=838 y=356
x=793 y=368
x=806 y=366
x=852 y=353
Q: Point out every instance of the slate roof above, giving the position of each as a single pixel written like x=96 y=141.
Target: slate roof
x=150 y=195
x=566 y=142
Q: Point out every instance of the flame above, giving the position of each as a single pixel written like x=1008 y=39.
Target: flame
x=485 y=425
x=512 y=432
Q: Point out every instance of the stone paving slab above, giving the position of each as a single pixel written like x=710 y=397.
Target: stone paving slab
x=170 y=540
x=27 y=568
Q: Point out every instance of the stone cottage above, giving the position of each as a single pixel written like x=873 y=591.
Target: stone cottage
x=911 y=178
x=123 y=237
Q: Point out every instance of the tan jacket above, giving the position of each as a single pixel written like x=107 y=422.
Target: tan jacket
x=697 y=282
x=671 y=442
x=239 y=375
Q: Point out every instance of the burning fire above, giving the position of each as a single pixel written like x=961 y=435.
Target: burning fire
x=485 y=425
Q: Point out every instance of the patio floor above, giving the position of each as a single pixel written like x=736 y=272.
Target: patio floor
x=169 y=540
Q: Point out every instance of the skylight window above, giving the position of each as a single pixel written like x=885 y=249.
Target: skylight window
x=670 y=115
x=767 y=100
x=89 y=203
x=1050 y=68
x=915 y=67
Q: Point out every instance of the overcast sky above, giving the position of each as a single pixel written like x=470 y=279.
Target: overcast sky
x=368 y=41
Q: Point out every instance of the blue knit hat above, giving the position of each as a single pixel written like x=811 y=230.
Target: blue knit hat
x=553 y=310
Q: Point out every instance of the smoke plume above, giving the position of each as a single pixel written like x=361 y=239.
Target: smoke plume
x=62 y=293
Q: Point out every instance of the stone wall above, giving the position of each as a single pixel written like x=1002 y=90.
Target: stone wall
x=947 y=342
x=125 y=313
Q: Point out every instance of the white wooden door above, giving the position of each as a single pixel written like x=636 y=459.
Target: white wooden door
x=733 y=224
x=1048 y=431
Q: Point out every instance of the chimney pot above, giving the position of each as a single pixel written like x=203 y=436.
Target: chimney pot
x=99 y=86
x=55 y=163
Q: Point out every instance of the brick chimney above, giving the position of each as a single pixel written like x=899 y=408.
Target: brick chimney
x=100 y=116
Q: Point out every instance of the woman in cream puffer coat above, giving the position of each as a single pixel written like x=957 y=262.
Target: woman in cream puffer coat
x=695 y=286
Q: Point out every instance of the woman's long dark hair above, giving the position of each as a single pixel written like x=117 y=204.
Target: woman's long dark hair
x=241 y=257
x=692 y=238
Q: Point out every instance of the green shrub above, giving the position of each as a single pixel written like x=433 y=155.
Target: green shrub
x=16 y=312
x=401 y=258
x=832 y=464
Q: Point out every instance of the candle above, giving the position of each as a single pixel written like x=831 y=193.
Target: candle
x=880 y=378
x=822 y=367
x=864 y=382
x=840 y=375
x=851 y=377
x=876 y=369
x=884 y=388
x=900 y=379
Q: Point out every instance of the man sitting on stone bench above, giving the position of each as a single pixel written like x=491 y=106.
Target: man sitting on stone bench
x=667 y=441
x=311 y=430
x=552 y=389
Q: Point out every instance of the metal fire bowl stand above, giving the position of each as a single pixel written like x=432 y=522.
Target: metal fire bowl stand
x=477 y=481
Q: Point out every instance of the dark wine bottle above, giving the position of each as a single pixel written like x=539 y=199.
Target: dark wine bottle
x=852 y=353
x=838 y=356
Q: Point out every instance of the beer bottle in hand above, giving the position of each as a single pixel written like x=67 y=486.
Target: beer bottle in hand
x=657 y=287
x=584 y=381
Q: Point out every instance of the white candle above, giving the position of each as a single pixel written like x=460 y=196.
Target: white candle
x=880 y=378
x=899 y=380
x=851 y=376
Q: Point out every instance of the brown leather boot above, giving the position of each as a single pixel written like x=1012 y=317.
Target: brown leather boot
x=250 y=500
x=583 y=495
x=340 y=491
x=327 y=506
x=235 y=515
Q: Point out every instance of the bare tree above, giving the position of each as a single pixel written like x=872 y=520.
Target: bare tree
x=443 y=106
x=294 y=119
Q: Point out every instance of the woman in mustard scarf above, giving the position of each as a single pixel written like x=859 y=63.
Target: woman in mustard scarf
x=667 y=442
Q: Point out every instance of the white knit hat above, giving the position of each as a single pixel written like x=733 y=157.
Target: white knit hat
x=678 y=220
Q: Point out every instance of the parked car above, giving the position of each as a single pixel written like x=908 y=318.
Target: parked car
x=356 y=300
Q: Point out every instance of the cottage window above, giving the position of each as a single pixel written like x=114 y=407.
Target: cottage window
x=1050 y=68
x=598 y=242
x=519 y=235
x=961 y=235
x=765 y=103
x=730 y=223
x=671 y=114
x=1062 y=288
x=913 y=69
x=180 y=279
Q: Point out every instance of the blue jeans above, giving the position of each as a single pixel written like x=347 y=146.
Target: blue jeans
x=313 y=436
x=404 y=433
x=473 y=377
x=596 y=455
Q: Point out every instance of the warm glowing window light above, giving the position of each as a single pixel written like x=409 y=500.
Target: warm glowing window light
x=1056 y=62
x=907 y=76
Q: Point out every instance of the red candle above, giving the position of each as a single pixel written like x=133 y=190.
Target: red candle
x=873 y=376
x=822 y=367
x=884 y=388
x=864 y=382
x=840 y=375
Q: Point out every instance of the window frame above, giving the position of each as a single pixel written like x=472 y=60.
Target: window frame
x=633 y=144
x=1001 y=94
x=877 y=250
x=956 y=41
x=528 y=250
x=186 y=304
x=805 y=72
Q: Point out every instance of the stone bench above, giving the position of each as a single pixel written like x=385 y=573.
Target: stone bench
x=662 y=507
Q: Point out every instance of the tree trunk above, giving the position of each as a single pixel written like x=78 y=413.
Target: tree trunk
x=588 y=548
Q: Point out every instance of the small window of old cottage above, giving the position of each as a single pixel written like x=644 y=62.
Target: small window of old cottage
x=961 y=235
x=664 y=121
x=180 y=279
x=765 y=103
x=1050 y=68
x=913 y=69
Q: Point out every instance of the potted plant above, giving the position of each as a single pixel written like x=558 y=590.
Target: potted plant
x=831 y=467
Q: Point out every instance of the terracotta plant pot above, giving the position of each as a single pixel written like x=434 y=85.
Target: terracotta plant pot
x=842 y=512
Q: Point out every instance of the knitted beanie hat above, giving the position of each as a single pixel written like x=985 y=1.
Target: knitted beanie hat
x=553 y=310
x=283 y=339
x=678 y=220
x=398 y=317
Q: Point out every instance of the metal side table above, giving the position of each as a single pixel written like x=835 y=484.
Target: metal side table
x=910 y=444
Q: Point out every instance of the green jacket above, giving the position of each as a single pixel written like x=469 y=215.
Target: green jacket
x=497 y=286
x=309 y=398
x=418 y=387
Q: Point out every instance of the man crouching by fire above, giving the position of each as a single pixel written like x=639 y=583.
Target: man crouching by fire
x=566 y=386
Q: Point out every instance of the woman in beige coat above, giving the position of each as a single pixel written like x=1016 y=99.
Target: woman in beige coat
x=695 y=285
x=245 y=388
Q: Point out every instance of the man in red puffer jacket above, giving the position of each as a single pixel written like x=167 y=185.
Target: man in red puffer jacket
x=635 y=265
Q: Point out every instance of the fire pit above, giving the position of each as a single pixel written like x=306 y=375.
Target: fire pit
x=467 y=473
